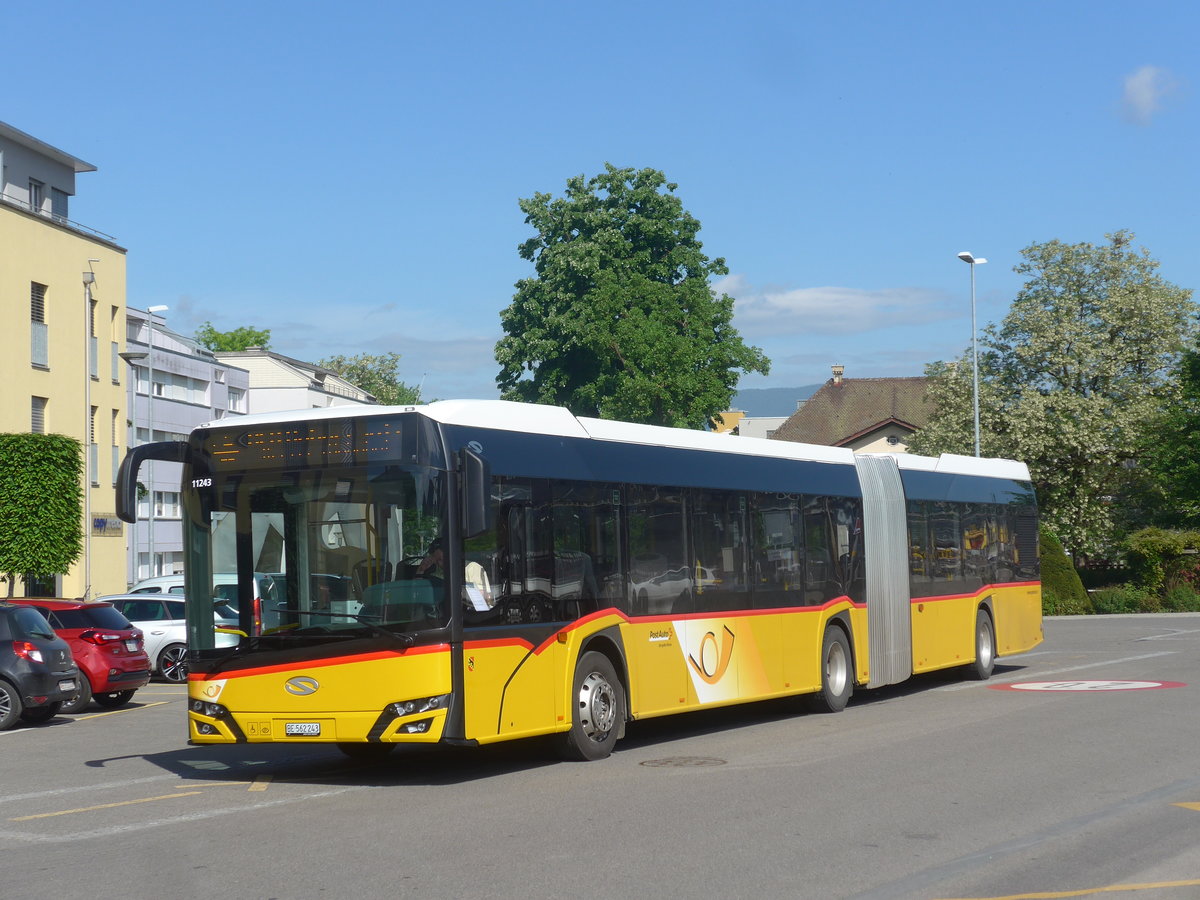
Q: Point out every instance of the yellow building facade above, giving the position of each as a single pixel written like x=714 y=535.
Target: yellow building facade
x=62 y=308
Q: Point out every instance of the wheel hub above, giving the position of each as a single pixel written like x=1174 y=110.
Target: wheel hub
x=597 y=706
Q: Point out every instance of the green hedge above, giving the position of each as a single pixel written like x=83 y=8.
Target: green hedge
x=1062 y=591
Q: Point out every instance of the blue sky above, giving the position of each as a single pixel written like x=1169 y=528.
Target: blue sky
x=347 y=174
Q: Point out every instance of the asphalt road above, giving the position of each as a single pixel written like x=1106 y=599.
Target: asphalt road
x=936 y=789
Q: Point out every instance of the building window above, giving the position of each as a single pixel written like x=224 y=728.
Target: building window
x=116 y=444
x=237 y=400
x=93 y=345
x=58 y=204
x=219 y=376
x=93 y=449
x=37 y=423
x=39 y=349
x=170 y=386
x=37 y=194
x=166 y=504
x=37 y=302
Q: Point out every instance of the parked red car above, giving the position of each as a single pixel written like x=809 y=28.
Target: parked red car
x=109 y=651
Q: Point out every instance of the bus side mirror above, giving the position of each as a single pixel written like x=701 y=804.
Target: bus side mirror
x=167 y=451
x=476 y=483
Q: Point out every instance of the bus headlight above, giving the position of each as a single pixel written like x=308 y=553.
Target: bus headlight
x=424 y=704
x=415 y=727
x=212 y=710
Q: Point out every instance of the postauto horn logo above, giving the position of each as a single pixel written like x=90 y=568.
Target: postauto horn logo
x=301 y=686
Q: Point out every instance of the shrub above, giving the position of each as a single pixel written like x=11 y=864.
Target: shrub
x=1059 y=577
x=1162 y=560
x=1182 y=599
x=1053 y=605
x=1124 y=599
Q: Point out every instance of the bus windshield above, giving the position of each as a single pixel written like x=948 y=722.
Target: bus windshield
x=327 y=554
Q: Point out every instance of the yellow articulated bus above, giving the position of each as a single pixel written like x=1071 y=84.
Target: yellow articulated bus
x=474 y=571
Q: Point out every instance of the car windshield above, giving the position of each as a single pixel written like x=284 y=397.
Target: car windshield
x=336 y=553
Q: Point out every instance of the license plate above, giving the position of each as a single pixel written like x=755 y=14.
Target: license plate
x=67 y=685
x=131 y=645
x=303 y=729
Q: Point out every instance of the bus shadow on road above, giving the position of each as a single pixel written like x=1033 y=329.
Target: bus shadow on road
x=324 y=764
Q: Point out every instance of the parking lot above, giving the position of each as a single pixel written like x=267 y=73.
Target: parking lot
x=1073 y=770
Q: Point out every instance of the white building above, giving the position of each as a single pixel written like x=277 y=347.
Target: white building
x=190 y=387
x=279 y=383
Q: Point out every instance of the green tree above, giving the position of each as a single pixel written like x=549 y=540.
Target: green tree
x=379 y=375
x=41 y=505
x=229 y=341
x=1070 y=378
x=620 y=320
x=1169 y=458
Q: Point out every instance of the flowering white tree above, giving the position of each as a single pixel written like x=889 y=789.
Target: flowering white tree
x=1071 y=378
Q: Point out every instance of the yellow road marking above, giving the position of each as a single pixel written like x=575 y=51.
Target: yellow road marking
x=1108 y=889
x=1195 y=806
x=82 y=809
x=260 y=783
x=130 y=709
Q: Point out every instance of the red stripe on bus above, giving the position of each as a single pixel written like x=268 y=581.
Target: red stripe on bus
x=320 y=663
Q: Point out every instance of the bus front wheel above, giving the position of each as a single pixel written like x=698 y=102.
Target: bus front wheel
x=598 y=703
x=985 y=646
x=837 y=674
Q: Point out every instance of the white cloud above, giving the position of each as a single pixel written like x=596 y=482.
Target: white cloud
x=1144 y=93
x=832 y=310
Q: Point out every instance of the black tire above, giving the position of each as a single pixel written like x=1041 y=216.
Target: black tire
x=369 y=752
x=172 y=663
x=80 y=701
x=113 y=699
x=985 y=646
x=38 y=714
x=837 y=673
x=597 y=712
x=10 y=705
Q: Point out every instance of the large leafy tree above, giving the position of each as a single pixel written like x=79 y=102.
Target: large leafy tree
x=1169 y=457
x=620 y=320
x=229 y=341
x=1070 y=379
x=377 y=374
x=41 y=505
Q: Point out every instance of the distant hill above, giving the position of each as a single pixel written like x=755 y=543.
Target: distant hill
x=756 y=402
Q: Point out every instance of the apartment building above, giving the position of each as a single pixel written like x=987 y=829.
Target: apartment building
x=175 y=385
x=62 y=308
x=279 y=382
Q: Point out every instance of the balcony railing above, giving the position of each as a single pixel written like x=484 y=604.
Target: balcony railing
x=59 y=220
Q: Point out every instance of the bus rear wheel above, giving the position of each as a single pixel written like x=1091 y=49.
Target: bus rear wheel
x=598 y=703
x=837 y=674
x=985 y=647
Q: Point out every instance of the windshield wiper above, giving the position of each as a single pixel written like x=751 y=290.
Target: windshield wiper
x=400 y=637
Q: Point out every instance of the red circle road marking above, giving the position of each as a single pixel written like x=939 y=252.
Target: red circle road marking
x=1085 y=686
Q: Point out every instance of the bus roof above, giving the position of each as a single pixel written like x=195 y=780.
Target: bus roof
x=536 y=418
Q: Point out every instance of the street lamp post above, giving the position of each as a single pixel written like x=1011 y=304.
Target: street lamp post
x=153 y=311
x=974 y=261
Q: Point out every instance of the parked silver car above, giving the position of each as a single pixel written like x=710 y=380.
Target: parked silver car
x=161 y=619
